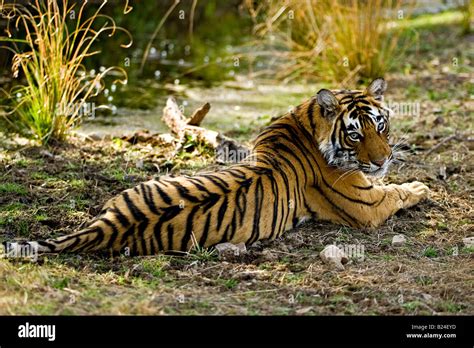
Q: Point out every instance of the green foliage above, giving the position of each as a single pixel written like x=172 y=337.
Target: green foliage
x=192 y=146
x=155 y=266
x=468 y=15
x=50 y=58
x=11 y=187
x=430 y=252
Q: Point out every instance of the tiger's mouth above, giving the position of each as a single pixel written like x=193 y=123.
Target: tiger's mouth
x=378 y=172
x=374 y=170
x=348 y=161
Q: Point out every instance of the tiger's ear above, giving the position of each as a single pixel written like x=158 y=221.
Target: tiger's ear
x=328 y=103
x=377 y=88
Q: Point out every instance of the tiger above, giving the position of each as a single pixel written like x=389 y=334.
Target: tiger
x=317 y=161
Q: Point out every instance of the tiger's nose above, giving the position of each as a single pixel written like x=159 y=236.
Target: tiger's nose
x=379 y=162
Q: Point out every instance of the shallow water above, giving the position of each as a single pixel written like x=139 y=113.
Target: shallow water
x=236 y=109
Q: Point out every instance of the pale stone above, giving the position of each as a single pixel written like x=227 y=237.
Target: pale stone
x=334 y=257
x=468 y=242
x=398 y=240
x=229 y=250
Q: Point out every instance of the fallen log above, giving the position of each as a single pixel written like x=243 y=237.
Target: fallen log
x=181 y=126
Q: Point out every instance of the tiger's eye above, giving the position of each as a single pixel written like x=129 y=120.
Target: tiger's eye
x=354 y=136
x=381 y=127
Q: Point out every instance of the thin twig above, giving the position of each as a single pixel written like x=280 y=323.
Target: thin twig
x=158 y=28
x=441 y=143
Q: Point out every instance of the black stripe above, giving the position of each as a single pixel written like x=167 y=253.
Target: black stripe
x=48 y=245
x=125 y=235
x=221 y=213
x=219 y=184
x=73 y=245
x=121 y=217
x=189 y=228
x=137 y=213
x=341 y=212
x=170 y=236
x=297 y=193
x=199 y=184
x=113 y=235
x=150 y=202
x=167 y=214
x=310 y=114
x=210 y=201
x=275 y=206
x=205 y=231
x=151 y=240
x=95 y=241
x=164 y=196
x=258 y=198
x=184 y=192
x=370 y=187
x=140 y=236
x=224 y=235
x=233 y=226
x=214 y=178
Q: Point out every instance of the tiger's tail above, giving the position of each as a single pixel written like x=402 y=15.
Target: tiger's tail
x=101 y=234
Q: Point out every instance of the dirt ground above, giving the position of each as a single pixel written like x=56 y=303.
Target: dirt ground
x=47 y=192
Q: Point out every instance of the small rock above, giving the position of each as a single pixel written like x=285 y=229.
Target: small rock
x=438 y=120
x=427 y=297
x=334 y=257
x=398 y=240
x=46 y=153
x=229 y=251
x=468 y=242
x=442 y=173
x=94 y=137
x=304 y=310
x=257 y=244
x=139 y=164
x=130 y=177
x=265 y=256
x=166 y=138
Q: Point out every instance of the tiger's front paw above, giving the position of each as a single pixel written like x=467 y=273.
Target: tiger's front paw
x=416 y=192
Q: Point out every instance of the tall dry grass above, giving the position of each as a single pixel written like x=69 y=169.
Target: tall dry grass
x=468 y=16
x=50 y=59
x=339 y=40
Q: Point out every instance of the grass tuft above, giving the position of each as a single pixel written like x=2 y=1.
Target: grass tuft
x=50 y=58
x=338 y=40
x=11 y=187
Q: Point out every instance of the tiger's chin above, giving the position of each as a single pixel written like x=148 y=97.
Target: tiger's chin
x=375 y=171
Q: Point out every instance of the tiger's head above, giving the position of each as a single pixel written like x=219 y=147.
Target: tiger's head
x=357 y=128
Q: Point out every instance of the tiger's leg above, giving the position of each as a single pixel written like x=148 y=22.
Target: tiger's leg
x=360 y=204
x=389 y=199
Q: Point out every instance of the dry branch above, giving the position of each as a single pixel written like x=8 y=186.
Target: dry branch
x=198 y=115
x=182 y=126
x=174 y=118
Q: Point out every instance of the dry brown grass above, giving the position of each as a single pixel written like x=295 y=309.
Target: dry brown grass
x=331 y=40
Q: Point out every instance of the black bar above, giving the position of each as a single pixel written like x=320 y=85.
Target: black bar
x=290 y=331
